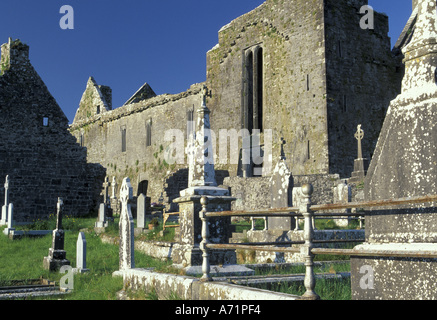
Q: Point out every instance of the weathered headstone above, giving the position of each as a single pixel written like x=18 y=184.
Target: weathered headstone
x=114 y=188
x=343 y=195
x=4 y=218
x=141 y=212
x=281 y=185
x=102 y=222
x=81 y=254
x=57 y=255
x=106 y=185
x=10 y=220
x=126 y=227
x=104 y=209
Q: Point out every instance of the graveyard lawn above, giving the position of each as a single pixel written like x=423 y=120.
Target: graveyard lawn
x=23 y=259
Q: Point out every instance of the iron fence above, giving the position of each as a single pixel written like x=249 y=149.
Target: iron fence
x=308 y=251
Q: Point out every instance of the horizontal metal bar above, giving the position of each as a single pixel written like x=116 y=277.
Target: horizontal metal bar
x=376 y=253
x=172 y=226
x=373 y=204
x=256 y=248
x=277 y=212
x=294 y=211
x=285 y=243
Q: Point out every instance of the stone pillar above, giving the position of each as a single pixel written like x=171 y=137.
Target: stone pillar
x=126 y=227
x=403 y=165
x=57 y=255
x=202 y=183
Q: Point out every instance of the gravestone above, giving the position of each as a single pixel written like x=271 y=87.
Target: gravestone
x=81 y=254
x=10 y=227
x=102 y=221
x=141 y=213
x=4 y=218
x=114 y=188
x=343 y=195
x=360 y=164
x=126 y=226
x=57 y=255
x=281 y=185
x=115 y=204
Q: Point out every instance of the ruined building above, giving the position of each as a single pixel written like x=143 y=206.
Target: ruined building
x=41 y=157
x=304 y=69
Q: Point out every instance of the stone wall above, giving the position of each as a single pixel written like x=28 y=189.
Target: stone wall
x=319 y=75
x=37 y=151
x=254 y=193
x=102 y=136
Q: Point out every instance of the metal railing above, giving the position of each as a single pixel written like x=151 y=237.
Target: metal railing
x=165 y=217
x=308 y=251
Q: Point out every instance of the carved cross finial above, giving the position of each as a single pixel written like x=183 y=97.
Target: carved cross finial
x=205 y=93
x=106 y=185
x=126 y=192
x=60 y=206
x=283 y=142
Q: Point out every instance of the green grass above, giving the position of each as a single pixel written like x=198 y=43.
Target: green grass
x=23 y=259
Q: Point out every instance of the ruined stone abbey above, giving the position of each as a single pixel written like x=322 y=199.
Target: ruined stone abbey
x=305 y=70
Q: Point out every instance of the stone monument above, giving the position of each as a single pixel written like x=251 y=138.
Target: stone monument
x=360 y=164
x=57 y=255
x=126 y=226
x=281 y=184
x=141 y=213
x=202 y=182
x=403 y=166
x=81 y=254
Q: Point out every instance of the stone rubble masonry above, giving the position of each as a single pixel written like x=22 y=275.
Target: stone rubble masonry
x=37 y=151
x=322 y=75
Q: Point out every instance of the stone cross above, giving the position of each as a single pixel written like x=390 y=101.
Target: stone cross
x=200 y=153
x=126 y=226
x=81 y=254
x=114 y=187
x=57 y=255
x=359 y=135
x=106 y=185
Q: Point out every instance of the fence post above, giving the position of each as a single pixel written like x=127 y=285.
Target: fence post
x=304 y=209
x=206 y=267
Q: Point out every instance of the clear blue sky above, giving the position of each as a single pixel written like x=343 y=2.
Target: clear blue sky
x=124 y=44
